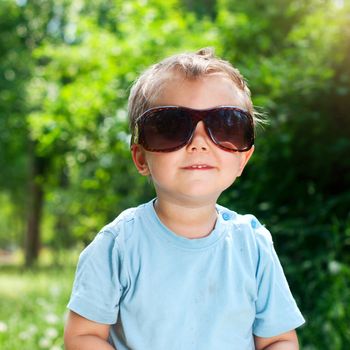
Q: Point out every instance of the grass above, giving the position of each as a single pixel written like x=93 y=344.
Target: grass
x=33 y=307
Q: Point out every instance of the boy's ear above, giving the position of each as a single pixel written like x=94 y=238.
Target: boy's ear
x=244 y=160
x=139 y=158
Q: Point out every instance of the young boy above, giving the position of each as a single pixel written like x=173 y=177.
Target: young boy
x=182 y=272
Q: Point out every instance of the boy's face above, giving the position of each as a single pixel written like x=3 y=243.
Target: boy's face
x=200 y=171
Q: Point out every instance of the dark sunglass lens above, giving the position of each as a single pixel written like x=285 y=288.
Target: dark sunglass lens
x=231 y=129
x=166 y=130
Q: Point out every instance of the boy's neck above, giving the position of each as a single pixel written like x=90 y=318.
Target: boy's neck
x=187 y=221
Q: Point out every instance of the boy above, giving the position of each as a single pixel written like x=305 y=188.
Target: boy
x=182 y=272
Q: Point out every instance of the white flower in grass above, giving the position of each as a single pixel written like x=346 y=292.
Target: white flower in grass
x=3 y=327
x=43 y=303
x=24 y=335
x=51 y=318
x=55 y=347
x=28 y=333
x=51 y=333
x=55 y=291
x=32 y=328
x=45 y=343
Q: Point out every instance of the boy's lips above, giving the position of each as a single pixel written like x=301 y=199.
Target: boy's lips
x=198 y=167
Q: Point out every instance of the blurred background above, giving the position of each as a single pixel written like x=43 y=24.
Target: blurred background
x=66 y=68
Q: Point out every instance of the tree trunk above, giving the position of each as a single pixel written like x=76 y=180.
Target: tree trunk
x=36 y=198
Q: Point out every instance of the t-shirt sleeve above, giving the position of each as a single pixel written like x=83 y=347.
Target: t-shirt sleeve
x=276 y=309
x=97 y=288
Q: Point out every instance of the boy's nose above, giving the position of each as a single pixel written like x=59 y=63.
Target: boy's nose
x=199 y=140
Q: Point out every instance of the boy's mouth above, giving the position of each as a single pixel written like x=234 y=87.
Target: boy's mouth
x=198 y=167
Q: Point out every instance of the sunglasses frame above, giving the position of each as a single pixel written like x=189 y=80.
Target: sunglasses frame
x=196 y=116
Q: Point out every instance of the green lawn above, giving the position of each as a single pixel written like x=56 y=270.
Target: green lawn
x=33 y=307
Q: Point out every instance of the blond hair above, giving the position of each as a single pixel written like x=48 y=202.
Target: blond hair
x=148 y=86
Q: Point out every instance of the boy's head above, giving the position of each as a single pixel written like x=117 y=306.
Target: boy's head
x=190 y=66
x=192 y=121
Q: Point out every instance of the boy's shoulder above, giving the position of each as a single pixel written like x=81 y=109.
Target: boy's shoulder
x=125 y=219
x=248 y=224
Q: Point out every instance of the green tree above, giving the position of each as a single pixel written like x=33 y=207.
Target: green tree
x=77 y=100
x=296 y=58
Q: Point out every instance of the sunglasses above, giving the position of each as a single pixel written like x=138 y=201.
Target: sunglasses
x=169 y=128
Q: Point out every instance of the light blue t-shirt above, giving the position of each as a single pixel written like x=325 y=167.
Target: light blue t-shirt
x=160 y=291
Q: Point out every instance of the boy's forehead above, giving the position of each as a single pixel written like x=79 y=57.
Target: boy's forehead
x=175 y=88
